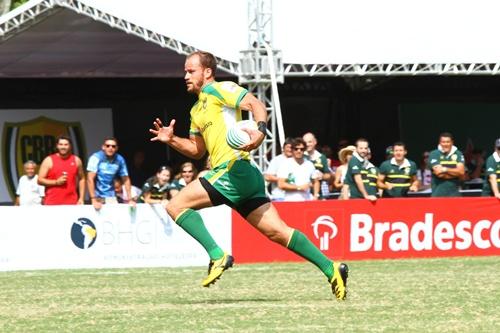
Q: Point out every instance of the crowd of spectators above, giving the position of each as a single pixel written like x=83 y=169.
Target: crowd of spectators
x=300 y=172
x=442 y=172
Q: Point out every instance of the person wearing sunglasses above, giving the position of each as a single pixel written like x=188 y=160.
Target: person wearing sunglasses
x=297 y=175
x=102 y=168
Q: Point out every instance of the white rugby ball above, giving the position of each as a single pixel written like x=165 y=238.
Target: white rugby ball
x=236 y=137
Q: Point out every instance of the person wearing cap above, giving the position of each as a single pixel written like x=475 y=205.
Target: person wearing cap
x=389 y=152
x=491 y=186
x=398 y=175
x=447 y=165
x=345 y=155
x=357 y=172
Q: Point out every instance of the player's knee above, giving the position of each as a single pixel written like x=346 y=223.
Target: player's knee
x=277 y=236
x=173 y=210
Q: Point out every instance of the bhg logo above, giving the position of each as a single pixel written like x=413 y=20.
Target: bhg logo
x=324 y=229
x=83 y=233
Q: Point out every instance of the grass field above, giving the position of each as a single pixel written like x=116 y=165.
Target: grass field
x=420 y=295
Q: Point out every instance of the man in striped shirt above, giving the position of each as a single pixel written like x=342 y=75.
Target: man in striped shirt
x=398 y=175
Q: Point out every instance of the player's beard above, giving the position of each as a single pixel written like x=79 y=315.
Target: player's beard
x=194 y=87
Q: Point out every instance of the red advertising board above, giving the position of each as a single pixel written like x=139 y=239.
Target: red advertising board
x=388 y=228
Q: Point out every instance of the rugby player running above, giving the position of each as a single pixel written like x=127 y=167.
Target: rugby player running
x=233 y=180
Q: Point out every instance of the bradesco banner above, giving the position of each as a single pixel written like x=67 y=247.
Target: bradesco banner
x=388 y=228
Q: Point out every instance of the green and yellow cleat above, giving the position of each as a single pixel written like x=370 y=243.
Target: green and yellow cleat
x=216 y=268
x=339 y=280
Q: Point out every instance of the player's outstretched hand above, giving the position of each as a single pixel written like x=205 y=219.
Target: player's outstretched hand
x=256 y=138
x=162 y=133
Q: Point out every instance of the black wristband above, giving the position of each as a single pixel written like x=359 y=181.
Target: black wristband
x=262 y=127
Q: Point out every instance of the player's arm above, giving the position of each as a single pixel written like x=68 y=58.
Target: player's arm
x=494 y=185
x=194 y=147
x=81 y=181
x=381 y=182
x=42 y=174
x=316 y=188
x=16 y=203
x=414 y=183
x=259 y=113
x=128 y=189
x=358 y=180
x=337 y=183
x=458 y=172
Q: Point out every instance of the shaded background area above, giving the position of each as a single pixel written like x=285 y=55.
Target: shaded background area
x=415 y=109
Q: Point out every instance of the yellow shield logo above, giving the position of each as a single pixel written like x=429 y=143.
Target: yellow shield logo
x=34 y=140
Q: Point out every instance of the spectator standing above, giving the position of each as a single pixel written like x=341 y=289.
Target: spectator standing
x=491 y=186
x=447 y=165
x=319 y=161
x=398 y=175
x=28 y=192
x=187 y=175
x=156 y=190
x=62 y=173
x=424 y=175
x=271 y=174
x=356 y=175
x=345 y=155
x=103 y=167
x=370 y=176
x=297 y=175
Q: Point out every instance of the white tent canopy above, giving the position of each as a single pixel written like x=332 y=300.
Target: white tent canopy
x=316 y=37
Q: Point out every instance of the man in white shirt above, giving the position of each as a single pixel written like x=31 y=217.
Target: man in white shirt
x=28 y=192
x=297 y=176
x=271 y=174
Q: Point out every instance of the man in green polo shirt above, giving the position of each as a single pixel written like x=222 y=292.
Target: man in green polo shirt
x=491 y=186
x=357 y=172
x=398 y=175
x=447 y=165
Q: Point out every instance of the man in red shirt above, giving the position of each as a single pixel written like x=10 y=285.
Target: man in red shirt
x=60 y=173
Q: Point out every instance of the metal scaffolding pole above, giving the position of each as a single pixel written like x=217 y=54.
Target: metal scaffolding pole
x=261 y=68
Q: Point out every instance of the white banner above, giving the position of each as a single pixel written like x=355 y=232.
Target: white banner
x=61 y=237
x=29 y=134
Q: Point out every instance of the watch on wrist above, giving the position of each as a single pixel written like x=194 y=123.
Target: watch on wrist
x=262 y=127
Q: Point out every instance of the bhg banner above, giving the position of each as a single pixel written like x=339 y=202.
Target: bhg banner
x=388 y=228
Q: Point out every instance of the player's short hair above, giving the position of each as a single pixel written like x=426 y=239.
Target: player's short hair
x=29 y=162
x=446 y=135
x=207 y=60
x=361 y=140
x=288 y=141
x=64 y=137
x=399 y=143
x=110 y=138
x=298 y=141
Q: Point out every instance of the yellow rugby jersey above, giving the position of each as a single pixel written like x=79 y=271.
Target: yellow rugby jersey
x=216 y=110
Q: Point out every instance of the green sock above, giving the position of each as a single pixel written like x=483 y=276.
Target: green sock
x=192 y=223
x=301 y=245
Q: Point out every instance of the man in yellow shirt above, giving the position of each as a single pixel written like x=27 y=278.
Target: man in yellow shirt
x=234 y=180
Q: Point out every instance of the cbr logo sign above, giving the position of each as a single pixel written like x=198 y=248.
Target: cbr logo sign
x=34 y=140
x=329 y=231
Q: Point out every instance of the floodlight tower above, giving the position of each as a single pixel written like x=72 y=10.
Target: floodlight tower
x=261 y=69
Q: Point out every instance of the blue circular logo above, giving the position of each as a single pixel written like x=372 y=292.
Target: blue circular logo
x=83 y=233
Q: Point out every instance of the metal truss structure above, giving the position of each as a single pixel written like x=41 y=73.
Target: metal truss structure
x=392 y=69
x=260 y=66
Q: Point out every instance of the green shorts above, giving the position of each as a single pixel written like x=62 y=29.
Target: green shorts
x=236 y=183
